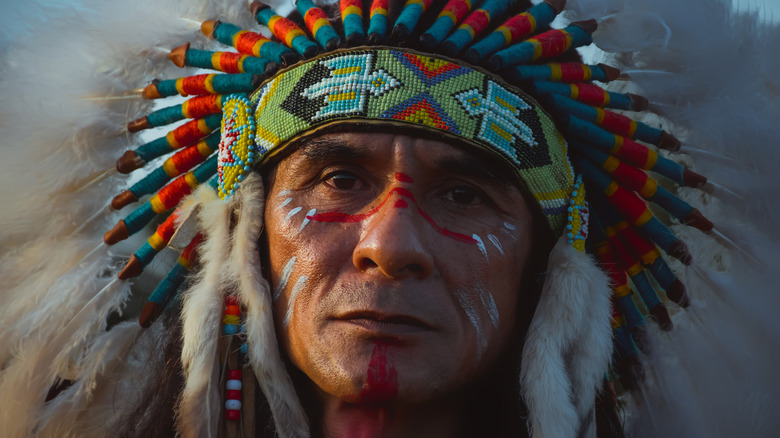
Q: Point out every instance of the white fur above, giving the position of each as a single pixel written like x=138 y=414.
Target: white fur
x=200 y=405
x=255 y=293
x=568 y=345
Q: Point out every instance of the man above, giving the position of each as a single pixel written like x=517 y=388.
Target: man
x=385 y=220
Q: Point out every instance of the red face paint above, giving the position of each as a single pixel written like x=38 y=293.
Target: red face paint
x=403 y=177
x=349 y=218
x=381 y=379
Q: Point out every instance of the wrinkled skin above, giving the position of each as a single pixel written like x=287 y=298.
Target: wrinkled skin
x=397 y=262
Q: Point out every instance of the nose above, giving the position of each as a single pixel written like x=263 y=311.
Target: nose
x=393 y=242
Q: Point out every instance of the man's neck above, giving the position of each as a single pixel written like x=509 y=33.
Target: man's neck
x=341 y=419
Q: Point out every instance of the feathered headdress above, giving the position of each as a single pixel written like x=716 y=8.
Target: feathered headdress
x=485 y=73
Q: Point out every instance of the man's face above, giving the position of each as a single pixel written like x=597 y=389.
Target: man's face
x=395 y=265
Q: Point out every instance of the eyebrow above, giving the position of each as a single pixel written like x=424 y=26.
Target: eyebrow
x=480 y=169
x=328 y=149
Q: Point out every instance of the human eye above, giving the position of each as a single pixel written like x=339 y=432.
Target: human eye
x=465 y=196
x=342 y=180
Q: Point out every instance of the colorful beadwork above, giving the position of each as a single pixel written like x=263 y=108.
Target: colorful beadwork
x=382 y=84
x=578 y=214
x=236 y=149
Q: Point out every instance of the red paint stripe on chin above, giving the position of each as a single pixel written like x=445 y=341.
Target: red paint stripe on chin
x=381 y=378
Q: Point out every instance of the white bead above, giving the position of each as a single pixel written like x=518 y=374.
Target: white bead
x=233 y=385
x=233 y=404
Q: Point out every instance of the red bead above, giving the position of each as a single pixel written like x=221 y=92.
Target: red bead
x=231 y=300
x=234 y=374
x=232 y=415
x=233 y=395
x=232 y=309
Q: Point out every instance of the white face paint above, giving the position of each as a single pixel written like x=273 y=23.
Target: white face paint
x=490 y=306
x=293 y=295
x=309 y=214
x=293 y=212
x=509 y=226
x=286 y=201
x=481 y=245
x=283 y=193
x=285 y=278
x=497 y=243
x=470 y=309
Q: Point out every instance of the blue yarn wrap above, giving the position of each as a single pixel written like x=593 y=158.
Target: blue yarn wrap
x=169 y=285
x=588 y=113
x=138 y=219
x=605 y=141
x=525 y=52
x=543 y=72
x=269 y=50
x=159 y=147
x=301 y=44
x=325 y=34
x=202 y=59
x=543 y=15
x=645 y=289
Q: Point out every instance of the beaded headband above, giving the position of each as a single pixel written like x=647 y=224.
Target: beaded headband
x=608 y=151
x=397 y=87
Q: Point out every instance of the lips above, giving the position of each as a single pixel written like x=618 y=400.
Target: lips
x=384 y=323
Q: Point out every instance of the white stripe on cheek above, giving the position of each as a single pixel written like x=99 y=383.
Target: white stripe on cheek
x=285 y=278
x=292 y=213
x=293 y=295
x=480 y=245
x=490 y=305
x=497 y=243
x=311 y=212
x=472 y=313
x=286 y=201
x=509 y=226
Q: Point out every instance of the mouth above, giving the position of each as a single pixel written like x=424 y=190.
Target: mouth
x=384 y=324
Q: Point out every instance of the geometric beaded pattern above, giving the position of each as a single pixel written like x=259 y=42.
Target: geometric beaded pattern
x=577 y=219
x=391 y=86
x=237 y=148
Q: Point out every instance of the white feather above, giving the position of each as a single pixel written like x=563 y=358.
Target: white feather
x=568 y=345
x=199 y=408
x=255 y=293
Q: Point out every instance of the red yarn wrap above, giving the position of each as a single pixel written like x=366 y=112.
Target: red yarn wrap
x=195 y=84
x=554 y=42
x=187 y=158
x=282 y=27
x=458 y=8
x=632 y=153
x=171 y=194
x=629 y=204
x=617 y=124
x=229 y=61
x=202 y=106
x=312 y=16
x=640 y=245
x=573 y=72
x=622 y=255
x=608 y=264
x=591 y=94
x=245 y=43
x=477 y=21
x=166 y=229
x=347 y=3
x=191 y=251
x=519 y=26
x=630 y=177
x=189 y=133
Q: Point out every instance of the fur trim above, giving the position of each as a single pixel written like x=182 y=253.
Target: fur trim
x=200 y=407
x=255 y=293
x=568 y=345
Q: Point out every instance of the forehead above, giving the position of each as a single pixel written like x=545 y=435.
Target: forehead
x=382 y=148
